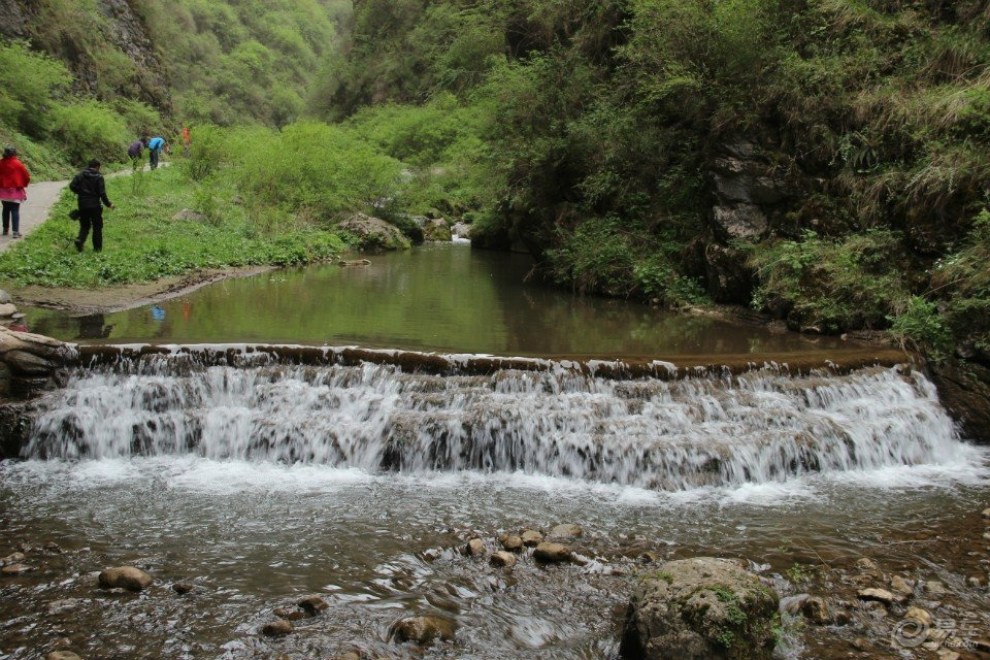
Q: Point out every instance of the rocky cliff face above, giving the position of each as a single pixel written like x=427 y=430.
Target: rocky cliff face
x=119 y=27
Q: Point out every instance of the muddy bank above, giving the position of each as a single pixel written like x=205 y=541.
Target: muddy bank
x=120 y=298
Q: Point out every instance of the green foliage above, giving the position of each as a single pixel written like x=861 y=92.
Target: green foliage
x=89 y=129
x=921 y=325
x=832 y=285
x=28 y=83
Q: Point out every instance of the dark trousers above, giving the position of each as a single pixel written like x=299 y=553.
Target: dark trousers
x=11 y=216
x=153 y=158
x=91 y=218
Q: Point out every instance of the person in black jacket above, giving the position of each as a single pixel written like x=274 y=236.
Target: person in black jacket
x=91 y=190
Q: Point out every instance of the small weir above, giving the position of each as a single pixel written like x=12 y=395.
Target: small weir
x=688 y=428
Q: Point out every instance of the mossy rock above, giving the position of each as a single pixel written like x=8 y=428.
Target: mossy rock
x=701 y=608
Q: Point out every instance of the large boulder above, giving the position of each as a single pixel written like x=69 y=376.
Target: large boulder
x=964 y=390
x=374 y=233
x=436 y=229
x=701 y=608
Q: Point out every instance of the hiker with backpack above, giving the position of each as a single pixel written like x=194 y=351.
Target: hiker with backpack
x=156 y=145
x=91 y=190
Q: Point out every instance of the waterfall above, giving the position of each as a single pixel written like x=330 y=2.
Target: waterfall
x=706 y=430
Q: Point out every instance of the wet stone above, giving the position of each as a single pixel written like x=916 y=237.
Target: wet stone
x=531 y=538
x=279 y=628
x=866 y=564
x=879 y=596
x=986 y=514
x=289 y=613
x=62 y=655
x=53 y=548
x=475 y=548
x=816 y=610
x=125 y=577
x=935 y=589
x=566 y=531
x=503 y=558
x=16 y=569
x=12 y=558
x=918 y=614
x=424 y=630
x=313 y=605
x=512 y=542
x=182 y=587
x=902 y=586
x=552 y=552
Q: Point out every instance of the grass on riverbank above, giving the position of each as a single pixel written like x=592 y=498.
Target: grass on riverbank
x=142 y=242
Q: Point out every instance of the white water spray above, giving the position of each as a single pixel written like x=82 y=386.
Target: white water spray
x=761 y=427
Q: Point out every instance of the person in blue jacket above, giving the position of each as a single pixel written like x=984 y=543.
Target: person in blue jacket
x=156 y=145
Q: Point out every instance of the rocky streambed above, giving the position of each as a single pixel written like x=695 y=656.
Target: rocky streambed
x=652 y=600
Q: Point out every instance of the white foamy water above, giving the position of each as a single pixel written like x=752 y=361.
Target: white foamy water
x=763 y=436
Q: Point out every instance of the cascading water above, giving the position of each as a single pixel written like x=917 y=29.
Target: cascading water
x=759 y=427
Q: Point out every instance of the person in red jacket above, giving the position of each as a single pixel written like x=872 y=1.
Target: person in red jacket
x=14 y=179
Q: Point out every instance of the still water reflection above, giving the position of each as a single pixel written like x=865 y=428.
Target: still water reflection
x=437 y=297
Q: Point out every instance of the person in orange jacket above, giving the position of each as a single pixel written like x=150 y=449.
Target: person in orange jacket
x=14 y=180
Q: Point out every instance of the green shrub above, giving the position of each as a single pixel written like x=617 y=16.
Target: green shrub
x=90 y=129
x=921 y=325
x=832 y=285
x=28 y=83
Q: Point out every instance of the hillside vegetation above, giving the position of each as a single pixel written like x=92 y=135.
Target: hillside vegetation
x=821 y=161
x=614 y=132
x=83 y=78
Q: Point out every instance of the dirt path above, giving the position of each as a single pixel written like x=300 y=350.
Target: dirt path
x=41 y=197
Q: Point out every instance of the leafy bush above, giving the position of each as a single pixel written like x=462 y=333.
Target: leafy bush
x=28 y=83
x=90 y=129
x=832 y=286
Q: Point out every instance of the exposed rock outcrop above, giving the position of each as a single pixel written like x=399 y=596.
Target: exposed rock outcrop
x=374 y=233
x=964 y=390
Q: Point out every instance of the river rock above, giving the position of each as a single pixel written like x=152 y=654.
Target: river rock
x=313 y=605
x=461 y=230
x=5 y=297
x=436 y=229
x=531 y=538
x=475 y=548
x=182 y=588
x=816 y=610
x=62 y=655
x=552 y=552
x=289 y=613
x=866 y=564
x=701 y=608
x=24 y=363
x=374 y=233
x=15 y=569
x=125 y=577
x=901 y=586
x=7 y=309
x=935 y=589
x=879 y=596
x=279 y=628
x=566 y=531
x=919 y=614
x=503 y=559
x=12 y=558
x=511 y=542
x=424 y=630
